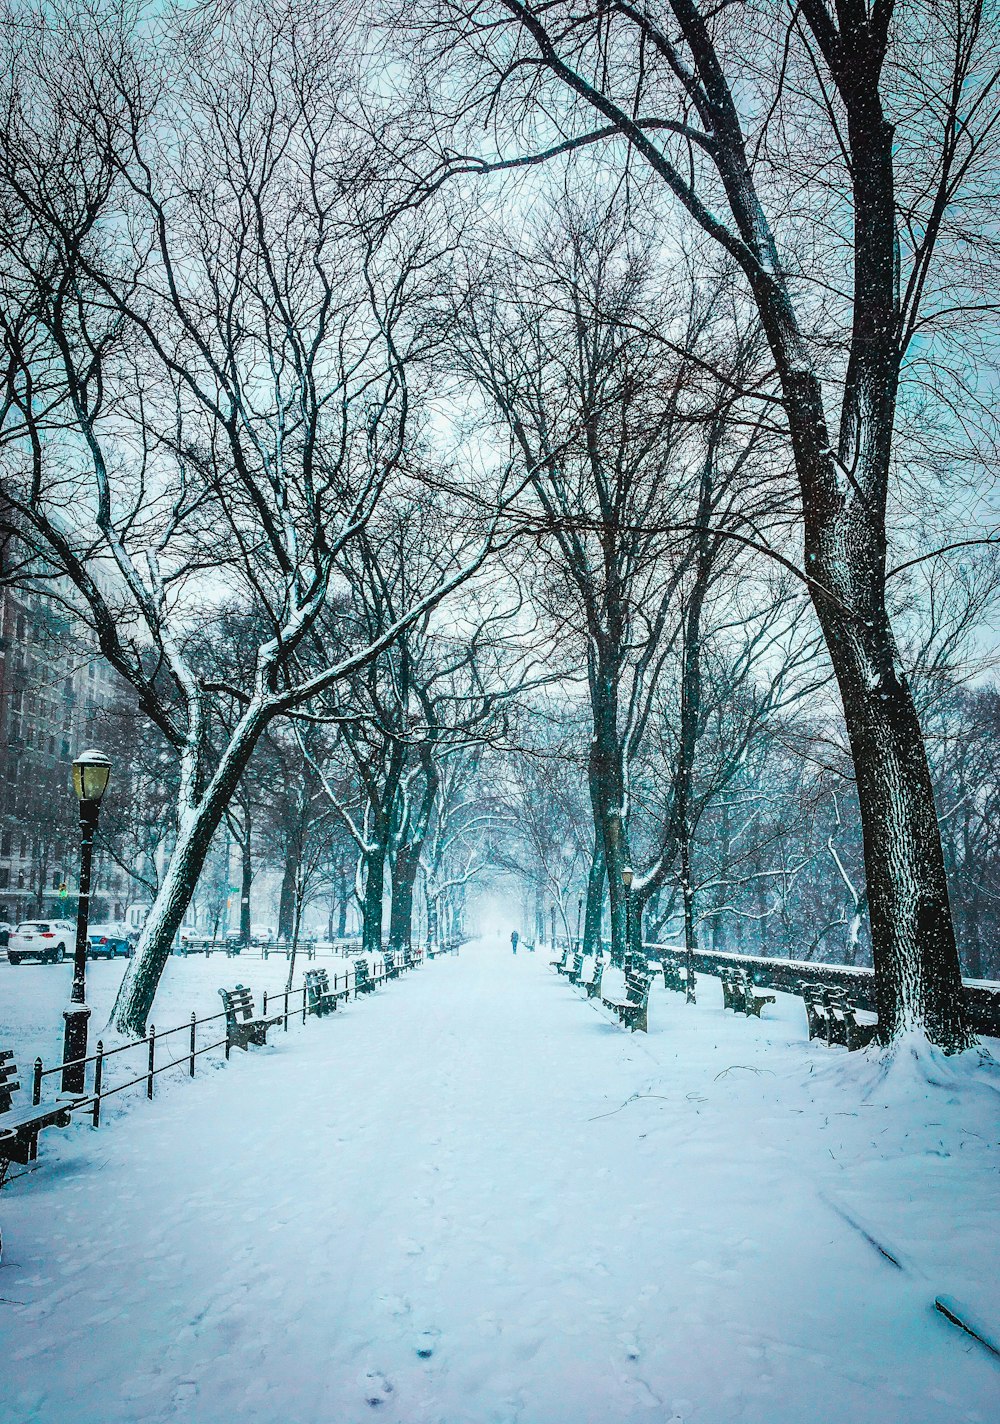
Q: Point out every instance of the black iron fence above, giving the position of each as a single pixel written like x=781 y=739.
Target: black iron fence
x=294 y=1004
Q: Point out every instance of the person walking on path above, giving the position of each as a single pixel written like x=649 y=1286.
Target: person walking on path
x=513 y=940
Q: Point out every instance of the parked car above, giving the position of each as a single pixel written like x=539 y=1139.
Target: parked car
x=109 y=942
x=46 y=940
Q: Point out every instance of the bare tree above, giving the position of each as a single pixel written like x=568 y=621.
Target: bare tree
x=838 y=152
x=205 y=390
x=637 y=487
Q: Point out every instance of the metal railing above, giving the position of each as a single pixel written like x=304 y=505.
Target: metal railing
x=294 y=1002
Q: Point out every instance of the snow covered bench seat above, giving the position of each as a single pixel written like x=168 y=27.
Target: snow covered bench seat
x=633 y=1007
x=242 y=1028
x=575 y=969
x=320 y=998
x=676 y=976
x=363 y=981
x=590 y=978
x=19 y=1127
x=740 y=995
x=561 y=961
x=831 y=1016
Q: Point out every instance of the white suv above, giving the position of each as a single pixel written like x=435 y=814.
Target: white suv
x=47 y=940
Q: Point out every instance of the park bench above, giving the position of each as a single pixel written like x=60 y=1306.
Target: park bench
x=575 y=969
x=390 y=964
x=831 y=1016
x=562 y=961
x=242 y=1028
x=363 y=981
x=320 y=998
x=593 y=984
x=676 y=976
x=740 y=994
x=634 y=1008
x=196 y=946
x=19 y=1127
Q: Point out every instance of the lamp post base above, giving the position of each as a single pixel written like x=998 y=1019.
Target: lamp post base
x=75 y=1047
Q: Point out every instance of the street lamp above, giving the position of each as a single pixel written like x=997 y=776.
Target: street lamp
x=91 y=773
x=627 y=877
x=579 y=919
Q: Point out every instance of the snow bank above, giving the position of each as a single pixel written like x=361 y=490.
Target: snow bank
x=473 y=1199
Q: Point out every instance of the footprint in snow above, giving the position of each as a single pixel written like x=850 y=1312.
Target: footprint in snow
x=377 y=1388
x=426 y=1343
x=630 y=1345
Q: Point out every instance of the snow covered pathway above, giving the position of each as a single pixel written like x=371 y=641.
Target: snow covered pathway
x=473 y=1199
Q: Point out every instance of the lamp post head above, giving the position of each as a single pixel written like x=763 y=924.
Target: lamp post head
x=627 y=875
x=91 y=774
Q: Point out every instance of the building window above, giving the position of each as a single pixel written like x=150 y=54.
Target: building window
x=4 y=877
x=56 y=879
x=20 y=879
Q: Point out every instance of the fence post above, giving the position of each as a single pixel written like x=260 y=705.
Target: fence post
x=36 y=1084
x=264 y=1010
x=194 y=1033
x=303 y=1003
x=286 y=1010
x=152 y=1059
x=98 y=1077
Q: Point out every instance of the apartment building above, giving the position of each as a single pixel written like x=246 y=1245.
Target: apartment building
x=53 y=685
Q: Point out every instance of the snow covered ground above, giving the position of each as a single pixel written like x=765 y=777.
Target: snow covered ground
x=473 y=1199
x=33 y=996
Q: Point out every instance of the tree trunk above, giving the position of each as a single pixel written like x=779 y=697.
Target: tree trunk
x=606 y=775
x=138 y=987
x=196 y=826
x=404 y=877
x=687 y=895
x=296 y=925
x=371 y=933
x=246 y=881
x=289 y=881
x=595 y=898
x=342 y=893
x=918 y=984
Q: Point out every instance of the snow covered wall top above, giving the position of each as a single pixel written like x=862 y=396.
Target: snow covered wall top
x=982 y=996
